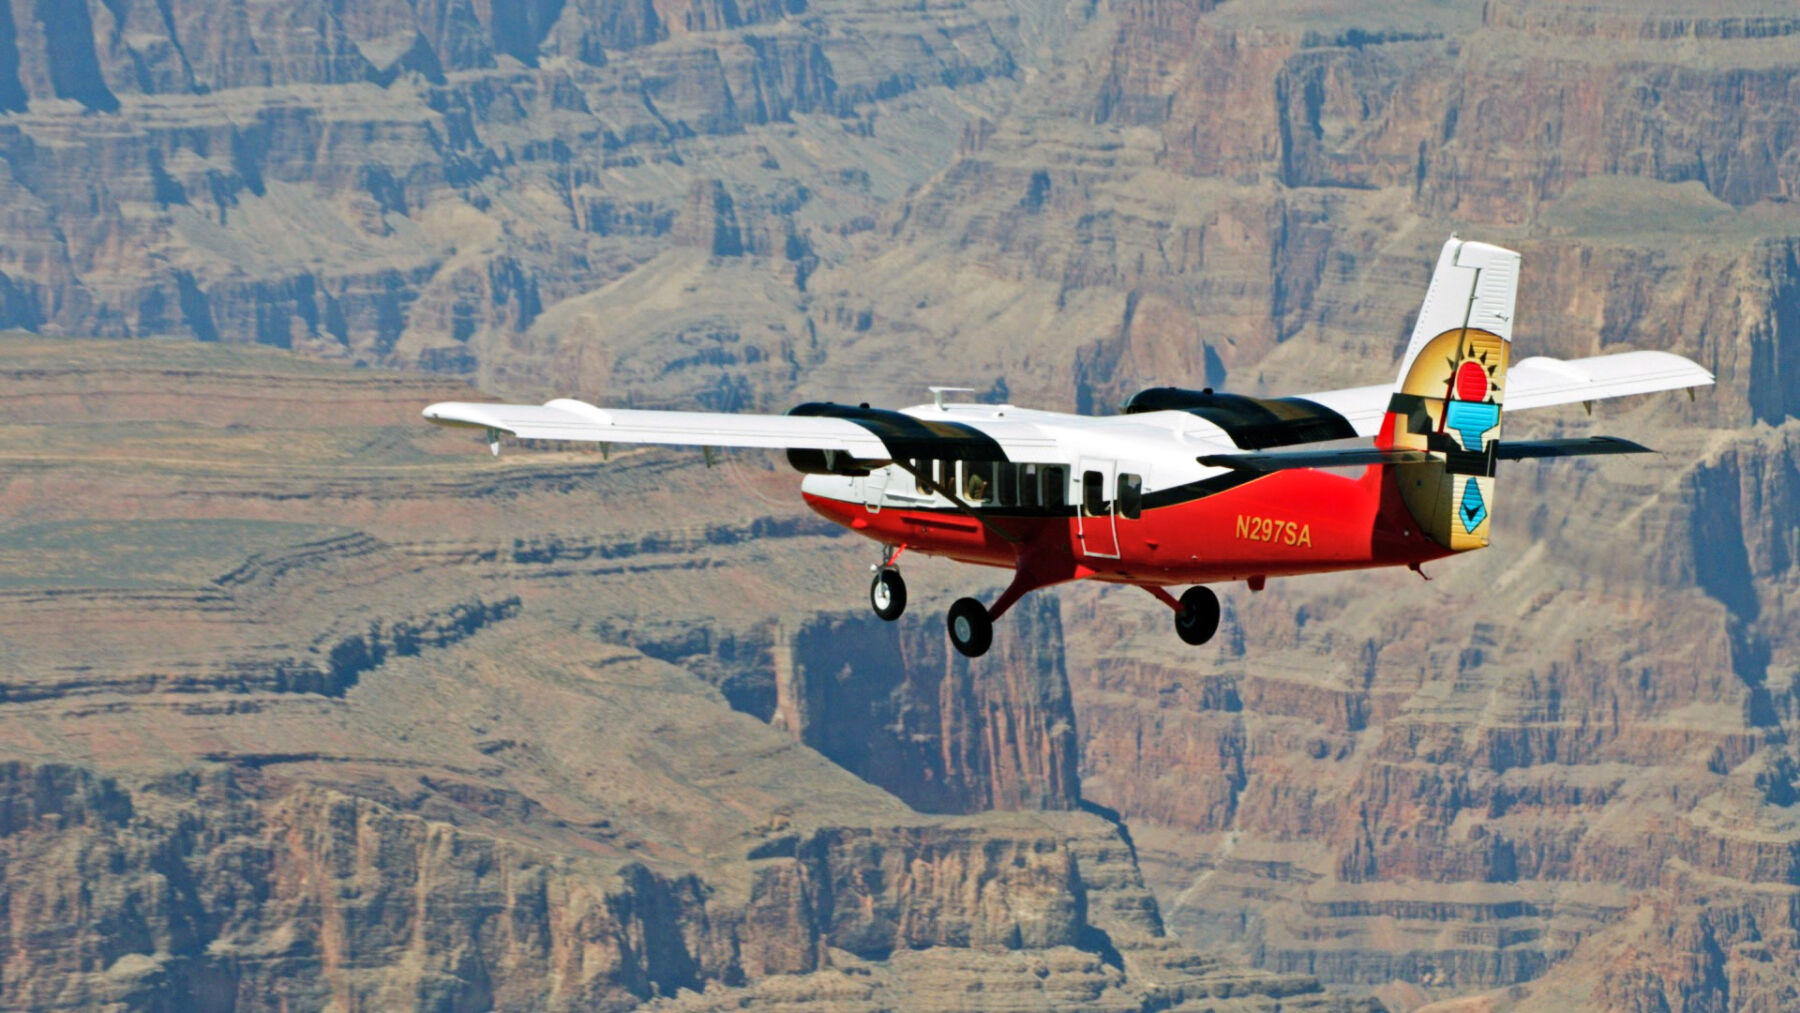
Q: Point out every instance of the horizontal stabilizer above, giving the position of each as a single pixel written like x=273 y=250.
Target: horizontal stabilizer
x=1514 y=450
x=1518 y=450
x=1283 y=460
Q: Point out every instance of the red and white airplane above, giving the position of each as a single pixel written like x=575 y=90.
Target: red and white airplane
x=1184 y=486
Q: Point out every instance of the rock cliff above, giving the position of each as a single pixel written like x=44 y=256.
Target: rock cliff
x=306 y=705
x=1558 y=774
x=1428 y=790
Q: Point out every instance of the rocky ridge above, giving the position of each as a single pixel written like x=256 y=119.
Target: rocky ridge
x=1559 y=773
x=307 y=703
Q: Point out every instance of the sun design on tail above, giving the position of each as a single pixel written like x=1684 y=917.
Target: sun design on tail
x=1472 y=391
x=1473 y=376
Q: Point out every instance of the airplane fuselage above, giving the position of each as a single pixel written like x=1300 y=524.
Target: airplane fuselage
x=1123 y=499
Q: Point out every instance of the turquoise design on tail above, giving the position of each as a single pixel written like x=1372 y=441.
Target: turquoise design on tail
x=1474 y=508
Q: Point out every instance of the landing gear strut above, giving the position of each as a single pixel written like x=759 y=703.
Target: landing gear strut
x=972 y=623
x=1198 y=619
x=887 y=592
x=971 y=631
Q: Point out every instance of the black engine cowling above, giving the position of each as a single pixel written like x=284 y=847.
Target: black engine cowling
x=1253 y=423
x=829 y=462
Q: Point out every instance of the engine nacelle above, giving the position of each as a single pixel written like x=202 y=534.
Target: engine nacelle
x=830 y=462
x=1253 y=423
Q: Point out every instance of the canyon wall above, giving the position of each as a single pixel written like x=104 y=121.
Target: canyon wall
x=1558 y=774
x=308 y=704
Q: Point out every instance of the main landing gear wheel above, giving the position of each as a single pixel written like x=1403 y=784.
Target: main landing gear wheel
x=1198 y=619
x=970 y=628
x=887 y=594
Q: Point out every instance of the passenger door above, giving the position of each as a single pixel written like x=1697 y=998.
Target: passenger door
x=874 y=486
x=1096 y=530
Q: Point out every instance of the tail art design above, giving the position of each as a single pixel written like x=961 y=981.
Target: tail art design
x=1450 y=392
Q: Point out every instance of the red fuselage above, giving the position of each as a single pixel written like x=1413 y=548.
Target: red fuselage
x=1279 y=524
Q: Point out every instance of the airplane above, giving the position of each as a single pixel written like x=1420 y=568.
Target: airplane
x=1183 y=487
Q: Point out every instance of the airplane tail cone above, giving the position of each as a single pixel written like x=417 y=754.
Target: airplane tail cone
x=1452 y=382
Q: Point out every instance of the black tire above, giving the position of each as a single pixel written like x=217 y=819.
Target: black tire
x=887 y=594
x=971 y=631
x=1198 y=619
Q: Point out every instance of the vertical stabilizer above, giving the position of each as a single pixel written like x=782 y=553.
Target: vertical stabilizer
x=1452 y=383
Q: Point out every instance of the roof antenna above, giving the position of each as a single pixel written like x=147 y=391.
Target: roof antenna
x=937 y=394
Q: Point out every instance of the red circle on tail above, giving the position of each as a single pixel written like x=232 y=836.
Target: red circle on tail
x=1471 y=381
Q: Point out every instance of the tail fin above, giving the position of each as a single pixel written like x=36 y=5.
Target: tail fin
x=1451 y=385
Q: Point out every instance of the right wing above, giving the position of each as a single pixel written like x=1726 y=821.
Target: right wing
x=1539 y=382
x=864 y=434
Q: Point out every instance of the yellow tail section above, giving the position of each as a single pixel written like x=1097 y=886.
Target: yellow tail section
x=1452 y=384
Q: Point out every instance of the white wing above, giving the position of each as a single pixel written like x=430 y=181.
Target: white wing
x=568 y=419
x=879 y=435
x=1539 y=382
x=862 y=433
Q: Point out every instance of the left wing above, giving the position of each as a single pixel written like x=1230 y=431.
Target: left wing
x=862 y=434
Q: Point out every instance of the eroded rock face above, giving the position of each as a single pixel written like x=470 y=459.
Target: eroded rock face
x=325 y=177
x=290 y=726
x=1562 y=765
x=920 y=720
x=217 y=890
x=1493 y=778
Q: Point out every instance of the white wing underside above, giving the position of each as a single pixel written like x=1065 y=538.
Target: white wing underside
x=1536 y=382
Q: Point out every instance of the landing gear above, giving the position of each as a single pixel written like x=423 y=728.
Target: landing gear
x=1198 y=619
x=887 y=594
x=971 y=631
x=972 y=623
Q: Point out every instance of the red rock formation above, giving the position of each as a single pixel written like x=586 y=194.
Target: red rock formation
x=924 y=723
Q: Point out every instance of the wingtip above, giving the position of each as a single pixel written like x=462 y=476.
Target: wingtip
x=457 y=414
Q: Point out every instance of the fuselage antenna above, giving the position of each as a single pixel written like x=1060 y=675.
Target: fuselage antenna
x=937 y=394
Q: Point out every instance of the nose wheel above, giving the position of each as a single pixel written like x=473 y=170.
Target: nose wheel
x=971 y=631
x=887 y=594
x=1198 y=619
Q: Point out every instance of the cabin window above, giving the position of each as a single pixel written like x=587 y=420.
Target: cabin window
x=1131 y=496
x=978 y=481
x=1001 y=483
x=1008 y=493
x=1093 y=493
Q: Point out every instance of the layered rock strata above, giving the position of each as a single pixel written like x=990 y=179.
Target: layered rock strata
x=307 y=704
